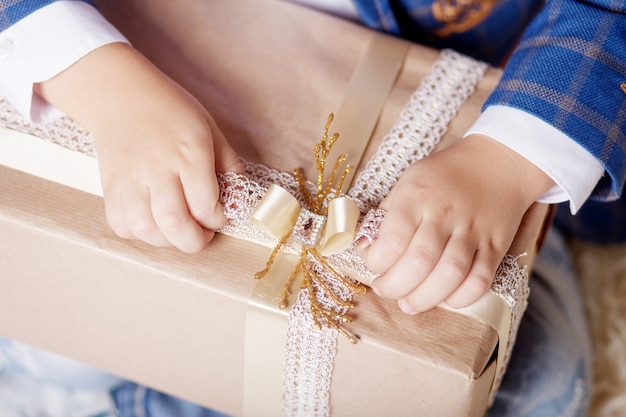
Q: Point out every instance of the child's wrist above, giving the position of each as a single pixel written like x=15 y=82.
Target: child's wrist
x=513 y=168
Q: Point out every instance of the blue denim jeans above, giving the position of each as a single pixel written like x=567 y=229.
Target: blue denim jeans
x=549 y=374
x=550 y=371
x=131 y=397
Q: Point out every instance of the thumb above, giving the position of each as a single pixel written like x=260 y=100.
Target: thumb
x=226 y=159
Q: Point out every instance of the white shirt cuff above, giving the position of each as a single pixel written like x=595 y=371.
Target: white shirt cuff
x=572 y=168
x=44 y=44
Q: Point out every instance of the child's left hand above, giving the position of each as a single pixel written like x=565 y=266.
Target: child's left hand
x=450 y=220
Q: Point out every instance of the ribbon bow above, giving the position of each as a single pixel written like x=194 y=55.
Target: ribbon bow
x=326 y=227
x=279 y=214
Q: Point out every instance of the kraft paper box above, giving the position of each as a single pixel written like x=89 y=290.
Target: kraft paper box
x=270 y=73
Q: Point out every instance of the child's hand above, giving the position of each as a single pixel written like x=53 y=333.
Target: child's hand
x=450 y=220
x=158 y=148
x=158 y=177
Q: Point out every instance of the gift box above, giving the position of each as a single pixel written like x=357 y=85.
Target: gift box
x=200 y=326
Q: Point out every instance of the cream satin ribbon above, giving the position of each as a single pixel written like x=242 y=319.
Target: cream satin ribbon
x=266 y=325
x=493 y=310
x=364 y=99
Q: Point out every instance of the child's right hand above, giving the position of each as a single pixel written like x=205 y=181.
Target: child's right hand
x=158 y=148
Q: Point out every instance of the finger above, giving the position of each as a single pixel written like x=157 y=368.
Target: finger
x=445 y=278
x=201 y=191
x=416 y=263
x=479 y=278
x=138 y=215
x=114 y=211
x=199 y=180
x=173 y=218
x=362 y=248
x=226 y=159
x=394 y=236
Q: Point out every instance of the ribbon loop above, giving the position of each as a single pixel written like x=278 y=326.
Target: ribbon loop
x=277 y=212
x=343 y=216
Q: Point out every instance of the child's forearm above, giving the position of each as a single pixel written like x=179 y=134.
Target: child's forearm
x=112 y=77
x=43 y=39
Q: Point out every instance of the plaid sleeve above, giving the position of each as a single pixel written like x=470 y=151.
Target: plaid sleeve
x=11 y=11
x=569 y=69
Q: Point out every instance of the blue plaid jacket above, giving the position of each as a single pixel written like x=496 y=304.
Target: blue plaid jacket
x=12 y=11
x=568 y=68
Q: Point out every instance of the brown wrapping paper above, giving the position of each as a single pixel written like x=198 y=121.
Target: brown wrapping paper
x=269 y=72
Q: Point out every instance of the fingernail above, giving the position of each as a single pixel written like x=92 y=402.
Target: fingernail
x=364 y=243
x=406 y=307
x=361 y=247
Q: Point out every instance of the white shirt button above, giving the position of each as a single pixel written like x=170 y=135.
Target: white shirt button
x=6 y=48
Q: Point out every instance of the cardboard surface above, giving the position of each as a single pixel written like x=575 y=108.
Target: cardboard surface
x=269 y=72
